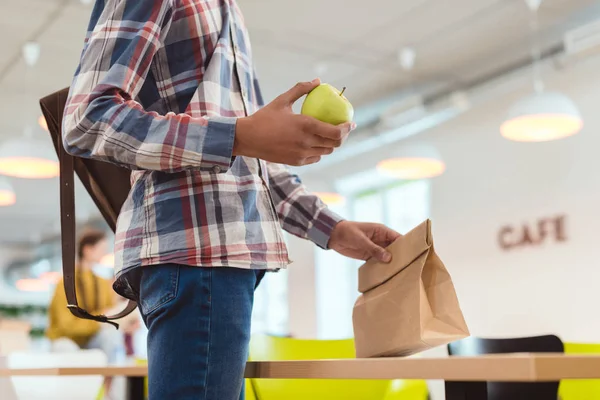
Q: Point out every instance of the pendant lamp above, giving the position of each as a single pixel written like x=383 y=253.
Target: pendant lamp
x=26 y=157
x=413 y=162
x=542 y=116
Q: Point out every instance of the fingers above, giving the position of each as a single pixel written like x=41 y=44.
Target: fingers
x=327 y=131
x=320 y=151
x=388 y=235
x=312 y=160
x=320 y=141
x=377 y=252
x=300 y=89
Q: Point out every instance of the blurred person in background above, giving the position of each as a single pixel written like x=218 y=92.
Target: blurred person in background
x=168 y=89
x=96 y=295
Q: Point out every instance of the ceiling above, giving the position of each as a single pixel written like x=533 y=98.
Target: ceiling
x=348 y=43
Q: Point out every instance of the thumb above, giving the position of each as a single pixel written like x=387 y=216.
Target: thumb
x=299 y=90
x=377 y=252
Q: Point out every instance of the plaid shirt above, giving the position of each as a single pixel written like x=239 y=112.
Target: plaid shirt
x=159 y=88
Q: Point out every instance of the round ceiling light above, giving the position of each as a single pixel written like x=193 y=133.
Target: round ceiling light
x=32 y=285
x=51 y=277
x=542 y=117
x=414 y=162
x=27 y=158
x=7 y=194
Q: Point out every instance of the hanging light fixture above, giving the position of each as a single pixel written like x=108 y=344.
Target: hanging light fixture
x=542 y=116
x=413 y=162
x=7 y=194
x=26 y=157
x=331 y=198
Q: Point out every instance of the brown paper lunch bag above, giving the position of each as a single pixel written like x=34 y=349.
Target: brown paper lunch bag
x=408 y=305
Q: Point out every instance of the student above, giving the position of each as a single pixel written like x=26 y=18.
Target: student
x=96 y=295
x=168 y=89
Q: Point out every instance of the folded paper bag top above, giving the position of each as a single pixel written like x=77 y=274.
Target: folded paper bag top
x=408 y=305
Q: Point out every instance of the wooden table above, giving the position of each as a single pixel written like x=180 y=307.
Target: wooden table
x=465 y=376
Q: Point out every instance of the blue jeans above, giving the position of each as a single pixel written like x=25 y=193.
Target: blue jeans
x=198 y=323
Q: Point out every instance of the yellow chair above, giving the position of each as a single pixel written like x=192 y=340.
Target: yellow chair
x=276 y=348
x=249 y=391
x=575 y=389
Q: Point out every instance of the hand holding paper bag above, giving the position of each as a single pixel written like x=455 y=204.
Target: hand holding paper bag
x=408 y=305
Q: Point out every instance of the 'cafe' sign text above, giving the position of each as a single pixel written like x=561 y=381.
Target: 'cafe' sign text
x=533 y=234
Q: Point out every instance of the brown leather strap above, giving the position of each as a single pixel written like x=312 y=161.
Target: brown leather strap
x=67 y=219
x=67 y=223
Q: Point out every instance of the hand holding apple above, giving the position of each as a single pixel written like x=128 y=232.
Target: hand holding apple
x=275 y=133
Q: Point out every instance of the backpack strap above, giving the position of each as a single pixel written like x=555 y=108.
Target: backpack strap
x=67 y=220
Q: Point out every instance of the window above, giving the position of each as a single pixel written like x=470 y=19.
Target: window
x=270 y=314
x=334 y=295
x=400 y=206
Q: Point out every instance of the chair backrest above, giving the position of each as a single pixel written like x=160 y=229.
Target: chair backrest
x=508 y=390
x=57 y=387
x=278 y=348
x=580 y=389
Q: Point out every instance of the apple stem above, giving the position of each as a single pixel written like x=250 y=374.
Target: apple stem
x=343 y=89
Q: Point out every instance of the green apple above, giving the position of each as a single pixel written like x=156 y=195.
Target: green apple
x=328 y=104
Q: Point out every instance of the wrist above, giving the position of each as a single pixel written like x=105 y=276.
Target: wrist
x=323 y=226
x=333 y=236
x=242 y=139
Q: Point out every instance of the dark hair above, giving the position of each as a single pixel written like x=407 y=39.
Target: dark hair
x=89 y=238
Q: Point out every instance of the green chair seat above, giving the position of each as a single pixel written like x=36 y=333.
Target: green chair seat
x=276 y=349
x=580 y=389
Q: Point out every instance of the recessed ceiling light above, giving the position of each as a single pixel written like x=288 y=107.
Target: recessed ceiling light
x=31 y=53
x=321 y=68
x=406 y=58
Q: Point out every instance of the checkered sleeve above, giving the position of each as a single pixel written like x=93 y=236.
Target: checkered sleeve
x=301 y=213
x=104 y=121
